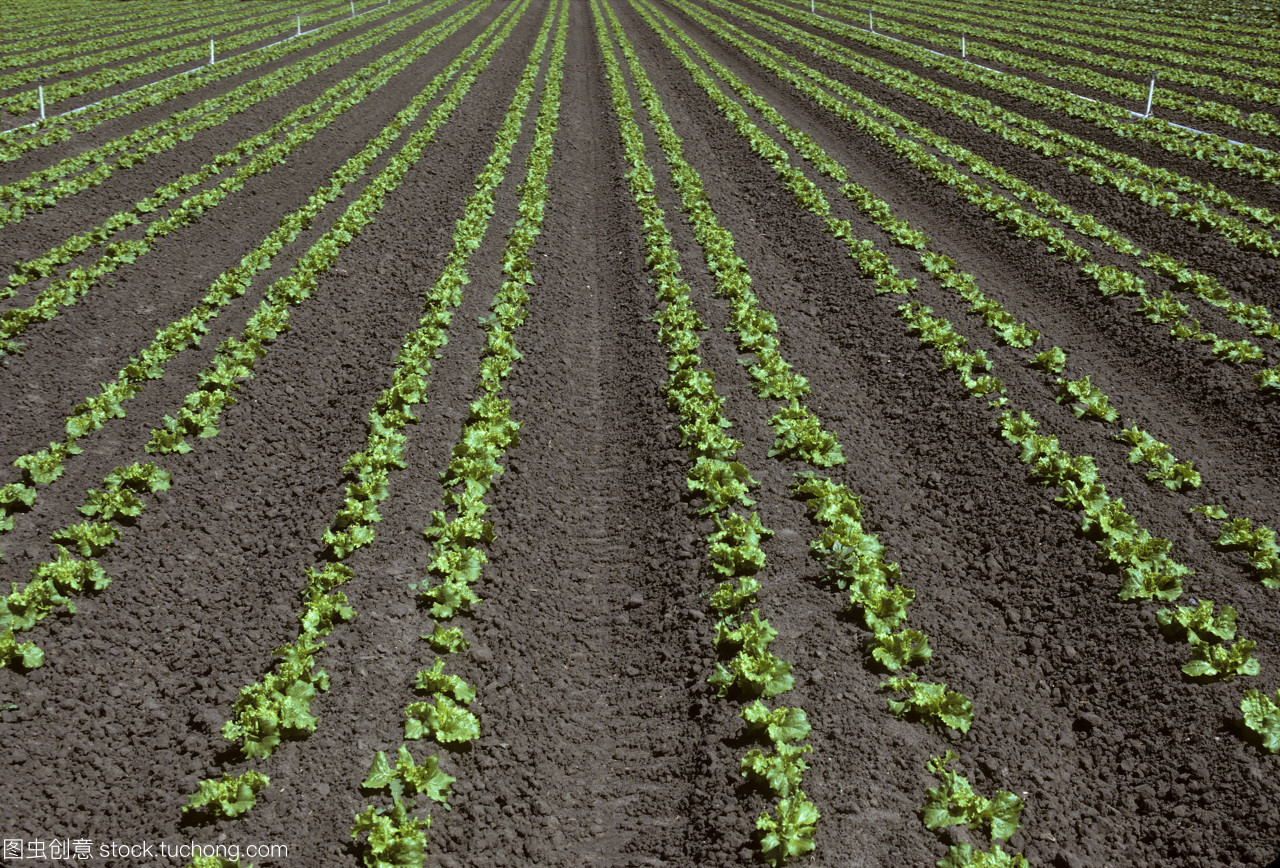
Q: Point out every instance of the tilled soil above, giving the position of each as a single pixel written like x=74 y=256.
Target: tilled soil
x=602 y=742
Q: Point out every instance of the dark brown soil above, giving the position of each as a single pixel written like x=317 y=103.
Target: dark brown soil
x=602 y=743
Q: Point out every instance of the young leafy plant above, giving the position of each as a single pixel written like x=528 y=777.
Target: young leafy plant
x=780 y=725
x=229 y=796
x=444 y=720
x=931 y=702
x=404 y=774
x=780 y=771
x=754 y=669
x=1262 y=716
x=1222 y=661
x=1088 y=399
x=899 y=650
x=965 y=855
x=790 y=834
x=956 y=802
x=1199 y=622
x=396 y=838
x=1051 y=361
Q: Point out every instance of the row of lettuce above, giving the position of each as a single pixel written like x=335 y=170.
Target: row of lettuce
x=749 y=672
x=1212 y=148
x=280 y=705
x=1013 y=203
x=1202 y=204
x=1047 y=61
x=200 y=410
x=167 y=212
x=395 y=833
x=181 y=53
x=235 y=359
x=1170 y=49
x=262 y=65
x=1144 y=561
x=231 y=32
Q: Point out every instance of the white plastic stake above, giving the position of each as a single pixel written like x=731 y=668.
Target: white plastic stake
x=353 y=8
x=1151 y=94
x=299 y=33
x=210 y=51
x=41 y=89
x=811 y=12
x=963 y=52
x=871 y=22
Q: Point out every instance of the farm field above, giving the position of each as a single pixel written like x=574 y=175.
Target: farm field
x=639 y=433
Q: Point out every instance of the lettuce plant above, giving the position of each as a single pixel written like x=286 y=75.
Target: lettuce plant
x=447 y=640
x=1259 y=543
x=396 y=839
x=139 y=477
x=280 y=704
x=1087 y=399
x=734 y=546
x=434 y=680
x=965 y=855
x=731 y=597
x=1262 y=716
x=779 y=771
x=1165 y=468
x=754 y=669
x=89 y=538
x=801 y=434
x=779 y=725
x=956 y=802
x=1051 y=361
x=790 y=834
x=25 y=654
x=404 y=775
x=444 y=720
x=720 y=484
x=1199 y=622
x=899 y=650
x=1222 y=661
x=112 y=503
x=228 y=797
x=930 y=702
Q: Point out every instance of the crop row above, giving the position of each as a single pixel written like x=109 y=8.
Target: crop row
x=1004 y=327
x=1177 y=51
x=1201 y=204
x=1148 y=24
x=105 y=35
x=236 y=358
x=855 y=558
x=1144 y=561
x=190 y=49
x=24 y=25
x=44 y=466
x=1218 y=150
x=1125 y=89
x=909 y=140
x=722 y=483
x=51 y=17
x=68 y=290
x=395 y=835
x=855 y=562
x=46 y=187
x=268 y=709
x=16 y=142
